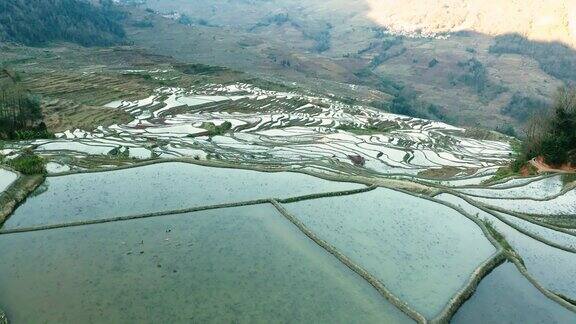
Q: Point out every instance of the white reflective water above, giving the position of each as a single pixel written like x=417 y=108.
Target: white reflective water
x=158 y=187
x=422 y=251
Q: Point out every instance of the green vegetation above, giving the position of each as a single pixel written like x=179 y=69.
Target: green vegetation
x=501 y=239
x=406 y=103
x=568 y=178
x=199 y=69
x=553 y=135
x=476 y=77
x=501 y=174
x=445 y=172
x=373 y=127
x=384 y=51
x=28 y=163
x=37 y=22
x=433 y=63
x=20 y=114
x=278 y=20
x=507 y=129
x=484 y=134
x=566 y=298
x=522 y=108
x=214 y=130
x=317 y=32
x=518 y=167
x=120 y=152
x=143 y=23
x=185 y=20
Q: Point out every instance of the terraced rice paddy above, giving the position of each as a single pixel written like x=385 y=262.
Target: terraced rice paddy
x=424 y=251
x=229 y=203
x=544 y=255
x=199 y=267
x=505 y=296
x=157 y=188
x=268 y=127
x=6 y=179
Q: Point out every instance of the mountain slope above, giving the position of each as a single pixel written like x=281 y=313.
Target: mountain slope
x=552 y=20
x=36 y=22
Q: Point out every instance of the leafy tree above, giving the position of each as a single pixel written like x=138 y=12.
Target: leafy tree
x=522 y=108
x=553 y=135
x=20 y=114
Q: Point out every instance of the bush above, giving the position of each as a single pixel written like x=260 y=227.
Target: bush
x=554 y=150
x=507 y=130
x=214 y=130
x=553 y=136
x=185 y=20
x=28 y=163
x=521 y=108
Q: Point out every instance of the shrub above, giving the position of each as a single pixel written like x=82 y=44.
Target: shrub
x=554 y=150
x=553 y=136
x=507 y=130
x=28 y=163
x=214 y=130
x=521 y=108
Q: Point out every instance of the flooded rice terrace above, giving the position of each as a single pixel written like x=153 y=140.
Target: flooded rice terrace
x=237 y=204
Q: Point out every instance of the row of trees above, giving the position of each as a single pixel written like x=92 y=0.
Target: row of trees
x=37 y=22
x=20 y=114
x=552 y=134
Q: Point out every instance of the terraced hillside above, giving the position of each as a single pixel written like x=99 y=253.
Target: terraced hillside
x=205 y=185
x=486 y=70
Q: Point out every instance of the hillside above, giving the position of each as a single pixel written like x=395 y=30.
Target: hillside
x=38 y=22
x=476 y=77
x=280 y=161
x=553 y=20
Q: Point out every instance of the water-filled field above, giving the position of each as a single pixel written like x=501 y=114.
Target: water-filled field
x=505 y=296
x=244 y=264
x=423 y=251
x=158 y=187
x=551 y=266
x=6 y=179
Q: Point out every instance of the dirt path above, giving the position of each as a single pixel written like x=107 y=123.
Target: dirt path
x=539 y=164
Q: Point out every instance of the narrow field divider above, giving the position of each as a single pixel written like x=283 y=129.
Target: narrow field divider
x=377 y=284
x=470 y=287
x=542 y=289
x=131 y=217
x=519 y=229
x=185 y=210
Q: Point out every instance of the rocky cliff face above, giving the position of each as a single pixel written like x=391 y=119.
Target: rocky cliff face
x=551 y=20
